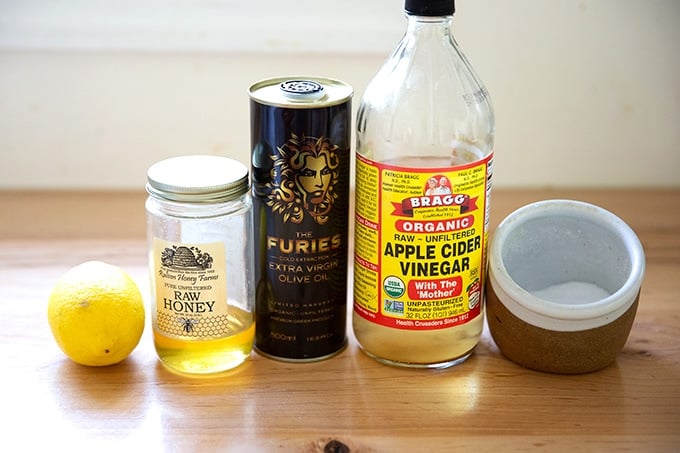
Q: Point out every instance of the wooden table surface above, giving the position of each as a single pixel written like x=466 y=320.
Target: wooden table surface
x=485 y=404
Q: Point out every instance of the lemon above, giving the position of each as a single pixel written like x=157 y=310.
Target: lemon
x=96 y=314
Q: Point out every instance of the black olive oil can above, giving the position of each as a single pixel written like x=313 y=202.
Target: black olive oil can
x=300 y=145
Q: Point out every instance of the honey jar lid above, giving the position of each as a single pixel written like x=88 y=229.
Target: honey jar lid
x=198 y=179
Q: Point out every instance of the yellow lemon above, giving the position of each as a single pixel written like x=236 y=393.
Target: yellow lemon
x=96 y=313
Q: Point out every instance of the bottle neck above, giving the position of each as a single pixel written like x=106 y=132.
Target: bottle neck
x=430 y=22
x=429 y=35
x=428 y=27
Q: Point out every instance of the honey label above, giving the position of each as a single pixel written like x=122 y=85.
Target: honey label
x=420 y=243
x=191 y=290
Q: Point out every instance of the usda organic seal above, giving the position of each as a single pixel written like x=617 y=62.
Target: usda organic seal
x=394 y=286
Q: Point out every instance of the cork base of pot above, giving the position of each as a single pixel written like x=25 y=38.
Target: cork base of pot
x=552 y=351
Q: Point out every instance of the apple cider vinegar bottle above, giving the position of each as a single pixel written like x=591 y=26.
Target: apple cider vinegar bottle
x=425 y=133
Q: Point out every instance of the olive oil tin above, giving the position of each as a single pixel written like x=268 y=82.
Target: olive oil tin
x=300 y=157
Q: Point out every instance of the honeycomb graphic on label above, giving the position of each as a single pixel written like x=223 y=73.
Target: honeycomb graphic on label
x=213 y=326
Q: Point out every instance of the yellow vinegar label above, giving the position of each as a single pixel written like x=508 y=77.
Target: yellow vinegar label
x=420 y=243
x=191 y=290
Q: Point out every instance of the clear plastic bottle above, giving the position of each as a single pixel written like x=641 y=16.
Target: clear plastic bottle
x=425 y=133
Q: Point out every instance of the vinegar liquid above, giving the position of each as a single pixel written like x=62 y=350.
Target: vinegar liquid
x=207 y=356
x=422 y=349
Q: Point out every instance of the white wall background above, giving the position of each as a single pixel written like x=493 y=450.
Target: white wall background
x=587 y=93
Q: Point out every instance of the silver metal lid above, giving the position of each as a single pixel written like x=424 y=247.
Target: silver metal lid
x=297 y=92
x=197 y=179
x=302 y=90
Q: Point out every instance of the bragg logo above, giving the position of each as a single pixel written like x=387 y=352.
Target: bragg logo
x=409 y=205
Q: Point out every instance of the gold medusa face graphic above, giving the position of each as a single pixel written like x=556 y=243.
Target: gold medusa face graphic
x=304 y=177
x=314 y=178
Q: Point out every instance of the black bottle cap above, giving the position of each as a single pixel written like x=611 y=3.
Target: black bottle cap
x=430 y=7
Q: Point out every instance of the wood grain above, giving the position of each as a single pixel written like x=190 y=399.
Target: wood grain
x=486 y=403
